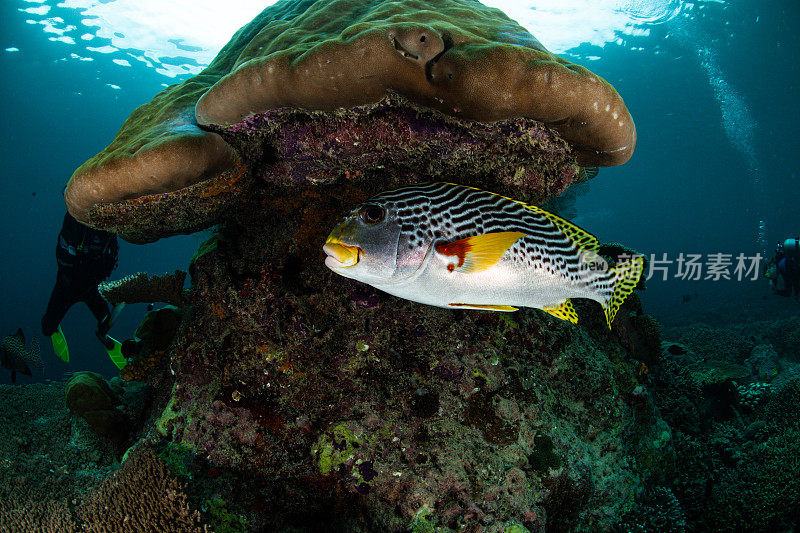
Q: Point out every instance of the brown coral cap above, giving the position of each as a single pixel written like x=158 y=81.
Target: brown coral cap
x=457 y=56
x=160 y=148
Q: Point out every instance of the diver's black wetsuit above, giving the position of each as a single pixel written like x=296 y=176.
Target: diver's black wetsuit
x=86 y=257
x=789 y=270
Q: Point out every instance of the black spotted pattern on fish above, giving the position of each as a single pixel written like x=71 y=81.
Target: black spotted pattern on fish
x=445 y=212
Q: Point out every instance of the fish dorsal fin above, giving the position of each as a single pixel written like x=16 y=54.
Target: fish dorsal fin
x=506 y=308
x=564 y=311
x=582 y=238
x=480 y=252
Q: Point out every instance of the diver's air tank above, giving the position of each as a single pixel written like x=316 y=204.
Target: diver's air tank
x=791 y=247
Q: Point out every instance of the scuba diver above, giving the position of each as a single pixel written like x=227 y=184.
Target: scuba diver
x=786 y=265
x=85 y=256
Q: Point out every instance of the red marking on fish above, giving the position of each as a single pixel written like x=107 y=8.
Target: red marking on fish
x=459 y=249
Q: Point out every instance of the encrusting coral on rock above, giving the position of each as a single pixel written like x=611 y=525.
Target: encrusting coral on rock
x=334 y=396
x=145 y=288
x=151 y=357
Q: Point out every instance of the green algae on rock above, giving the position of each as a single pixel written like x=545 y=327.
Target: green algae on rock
x=169 y=171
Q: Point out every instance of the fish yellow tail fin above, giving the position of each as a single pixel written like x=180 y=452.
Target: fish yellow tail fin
x=60 y=345
x=626 y=277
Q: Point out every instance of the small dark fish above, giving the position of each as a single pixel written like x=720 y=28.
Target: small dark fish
x=14 y=356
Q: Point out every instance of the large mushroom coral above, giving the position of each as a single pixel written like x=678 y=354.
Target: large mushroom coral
x=456 y=56
x=169 y=169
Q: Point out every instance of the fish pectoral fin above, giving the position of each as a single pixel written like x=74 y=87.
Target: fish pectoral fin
x=487 y=307
x=564 y=311
x=479 y=252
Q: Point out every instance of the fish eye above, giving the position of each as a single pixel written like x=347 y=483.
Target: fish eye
x=372 y=214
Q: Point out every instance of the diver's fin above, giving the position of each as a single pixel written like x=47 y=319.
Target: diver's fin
x=115 y=353
x=479 y=252
x=115 y=311
x=564 y=311
x=60 y=345
x=626 y=277
x=487 y=307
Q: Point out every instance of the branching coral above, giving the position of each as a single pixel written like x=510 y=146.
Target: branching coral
x=52 y=516
x=141 y=496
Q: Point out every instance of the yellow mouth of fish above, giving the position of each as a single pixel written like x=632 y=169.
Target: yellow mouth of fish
x=341 y=255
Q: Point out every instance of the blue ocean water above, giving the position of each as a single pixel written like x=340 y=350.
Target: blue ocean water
x=711 y=85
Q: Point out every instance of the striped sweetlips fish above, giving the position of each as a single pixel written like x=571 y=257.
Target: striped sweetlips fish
x=459 y=247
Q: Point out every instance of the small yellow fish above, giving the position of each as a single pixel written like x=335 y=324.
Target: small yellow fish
x=453 y=246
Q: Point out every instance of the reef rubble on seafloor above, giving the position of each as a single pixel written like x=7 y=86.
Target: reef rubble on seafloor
x=730 y=396
x=706 y=440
